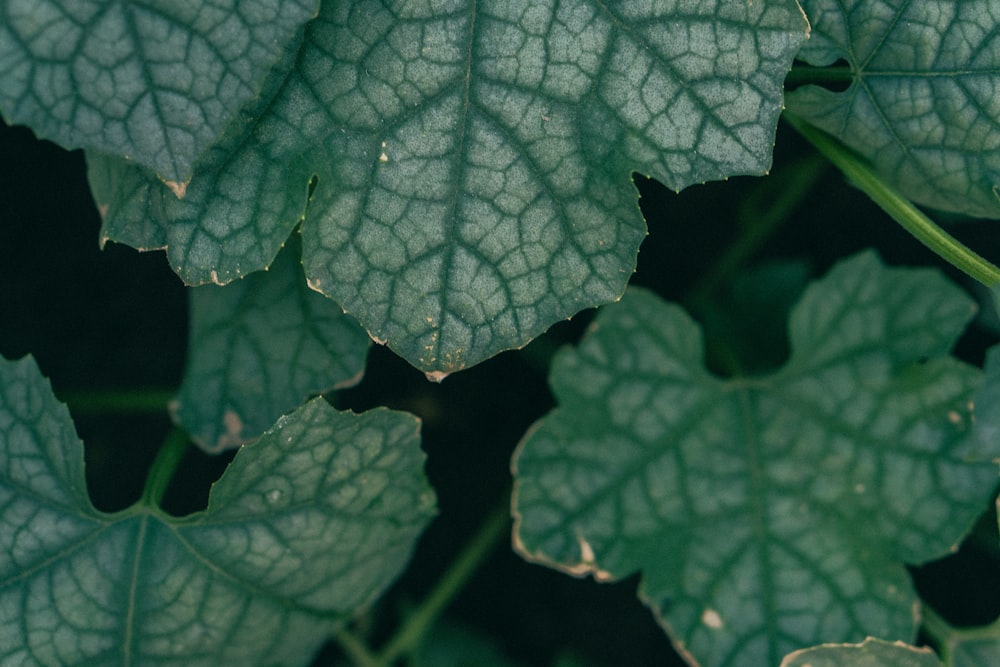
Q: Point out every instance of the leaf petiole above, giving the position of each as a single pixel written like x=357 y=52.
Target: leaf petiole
x=413 y=631
x=164 y=466
x=146 y=401
x=766 y=208
x=898 y=207
x=409 y=636
x=801 y=75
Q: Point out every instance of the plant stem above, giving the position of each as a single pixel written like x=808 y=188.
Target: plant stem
x=164 y=465
x=356 y=650
x=938 y=630
x=409 y=636
x=783 y=192
x=122 y=402
x=898 y=207
x=802 y=75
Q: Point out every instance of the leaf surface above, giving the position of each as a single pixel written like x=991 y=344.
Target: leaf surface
x=869 y=653
x=473 y=158
x=971 y=647
x=924 y=106
x=155 y=81
x=765 y=513
x=307 y=524
x=975 y=646
x=260 y=347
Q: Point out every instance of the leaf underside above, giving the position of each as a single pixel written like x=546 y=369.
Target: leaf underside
x=924 y=107
x=765 y=513
x=472 y=159
x=308 y=524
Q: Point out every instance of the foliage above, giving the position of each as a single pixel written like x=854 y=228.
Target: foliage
x=731 y=495
x=308 y=523
x=455 y=179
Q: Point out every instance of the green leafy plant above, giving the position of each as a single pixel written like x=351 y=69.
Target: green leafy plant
x=453 y=181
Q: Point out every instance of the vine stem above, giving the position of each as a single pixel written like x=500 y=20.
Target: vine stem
x=121 y=402
x=408 y=637
x=356 y=650
x=802 y=75
x=898 y=207
x=946 y=637
x=764 y=211
x=164 y=465
x=938 y=630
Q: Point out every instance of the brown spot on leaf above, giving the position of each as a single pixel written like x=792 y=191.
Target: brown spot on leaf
x=178 y=188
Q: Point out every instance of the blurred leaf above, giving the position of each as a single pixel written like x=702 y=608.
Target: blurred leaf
x=454 y=645
x=766 y=513
x=749 y=316
x=473 y=158
x=869 y=653
x=260 y=347
x=975 y=648
x=969 y=647
x=924 y=106
x=154 y=82
x=306 y=525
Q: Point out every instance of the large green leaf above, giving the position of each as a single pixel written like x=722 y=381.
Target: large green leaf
x=925 y=103
x=153 y=81
x=869 y=653
x=260 y=347
x=766 y=513
x=473 y=158
x=310 y=522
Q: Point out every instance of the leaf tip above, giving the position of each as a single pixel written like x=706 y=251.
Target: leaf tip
x=436 y=376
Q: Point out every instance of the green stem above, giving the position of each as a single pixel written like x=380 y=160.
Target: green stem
x=802 y=75
x=898 y=207
x=763 y=211
x=121 y=402
x=164 y=465
x=409 y=636
x=946 y=638
x=938 y=630
x=356 y=650
x=782 y=192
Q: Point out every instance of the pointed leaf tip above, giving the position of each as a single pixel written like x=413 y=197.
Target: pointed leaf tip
x=472 y=161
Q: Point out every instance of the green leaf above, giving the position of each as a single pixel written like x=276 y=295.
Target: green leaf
x=965 y=647
x=473 y=158
x=455 y=645
x=923 y=107
x=248 y=203
x=766 y=513
x=750 y=314
x=259 y=348
x=309 y=523
x=155 y=82
x=869 y=653
x=973 y=647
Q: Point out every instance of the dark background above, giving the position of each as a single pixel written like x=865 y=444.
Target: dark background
x=117 y=319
